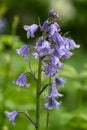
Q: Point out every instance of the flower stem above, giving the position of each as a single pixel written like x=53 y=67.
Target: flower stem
x=42 y=90
x=47 y=120
x=38 y=95
x=27 y=115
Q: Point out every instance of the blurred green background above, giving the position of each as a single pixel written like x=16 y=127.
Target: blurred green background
x=72 y=115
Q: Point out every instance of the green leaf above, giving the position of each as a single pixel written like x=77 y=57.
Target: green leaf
x=77 y=123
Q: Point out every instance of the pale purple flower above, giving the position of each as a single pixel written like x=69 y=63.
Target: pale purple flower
x=11 y=116
x=42 y=48
x=59 y=81
x=70 y=44
x=58 y=52
x=22 y=81
x=54 y=93
x=30 y=30
x=45 y=44
x=62 y=52
x=52 y=29
x=67 y=54
x=56 y=62
x=52 y=104
x=41 y=43
x=52 y=13
x=63 y=47
x=44 y=52
x=44 y=26
x=24 y=51
x=58 y=39
x=51 y=70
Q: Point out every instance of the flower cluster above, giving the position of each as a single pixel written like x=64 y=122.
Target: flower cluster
x=53 y=94
x=51 y=45
x=51 y=48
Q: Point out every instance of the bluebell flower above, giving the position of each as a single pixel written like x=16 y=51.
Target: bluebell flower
x=45 y=44
x=52 y=104
x=22 y=81
x=56 y=62
x=44 y=26
x=67 y=54
x=41 y=43
x=44 y=52
x=52 y=13
x=70 y=44
x=63 y=47
x=42 y=48
x=24 y=50
x=11 y=116
x=59 y=81
x=62 y=52
x=52 y=29
x=58 y=39
x=51 y=70
x=58 y=52
x=30 y=30
x=54 y=93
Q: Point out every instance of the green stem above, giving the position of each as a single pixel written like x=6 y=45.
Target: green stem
x=38 y=95
x=42 y=90
x=33 y=76
x=15 y=25
x=30 y=67
x=47 y=120
x=30 y=119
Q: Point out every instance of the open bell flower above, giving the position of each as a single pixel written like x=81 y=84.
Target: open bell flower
x=43 y=48
x=51 y=70
x=44 y=26
x=56 y=62
x=30 y=30
x=58 y=39
x=11 y=116
x=70 y=44
x=62 y=52
x=54 y=93
x=24 y=51
x=22 y=81
x=53 y=28
x=52 y=104
x=60 y=81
